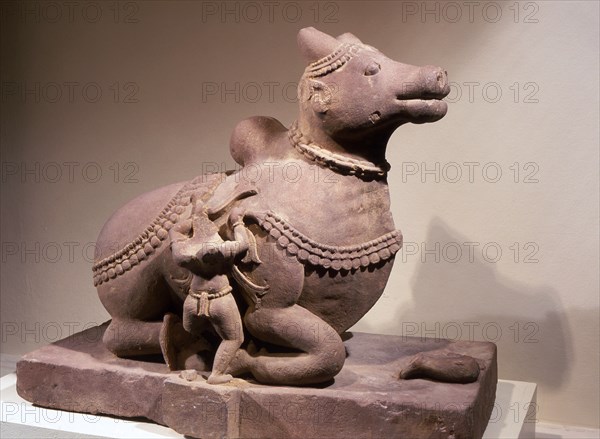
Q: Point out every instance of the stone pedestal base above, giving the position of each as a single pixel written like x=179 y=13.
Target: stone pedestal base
x=367 y=400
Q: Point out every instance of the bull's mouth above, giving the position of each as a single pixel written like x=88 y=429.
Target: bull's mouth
x=423 y=110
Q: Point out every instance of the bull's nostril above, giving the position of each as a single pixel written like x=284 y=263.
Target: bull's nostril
x=442 y=80
x=442 y=77
x=434 y=83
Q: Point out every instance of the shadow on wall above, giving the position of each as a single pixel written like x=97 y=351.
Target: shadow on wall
x=472 y=300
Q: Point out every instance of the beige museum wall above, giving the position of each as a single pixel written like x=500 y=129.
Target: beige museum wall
x=156 y=122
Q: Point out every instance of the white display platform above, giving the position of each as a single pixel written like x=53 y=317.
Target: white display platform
x=513 y=417
x=514 y=413
x=545 y=430
x=20 y=419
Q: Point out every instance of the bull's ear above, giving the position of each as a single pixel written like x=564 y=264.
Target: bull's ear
x=314 y=44
x=320 y=96
x=348 y=38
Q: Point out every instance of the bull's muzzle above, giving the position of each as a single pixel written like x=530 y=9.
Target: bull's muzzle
x=427 y=82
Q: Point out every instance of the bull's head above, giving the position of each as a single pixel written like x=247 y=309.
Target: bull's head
x=353 y=97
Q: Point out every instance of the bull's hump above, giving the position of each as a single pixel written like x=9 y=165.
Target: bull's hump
x=256 y=138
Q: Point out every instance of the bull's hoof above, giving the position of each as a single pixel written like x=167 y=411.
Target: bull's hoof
x=448 y=368
x=189 y=375
x=219 y=379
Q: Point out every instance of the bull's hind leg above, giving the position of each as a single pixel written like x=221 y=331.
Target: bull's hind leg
x=130 y=338
x=138 y=308
x=321 y=350
x=143 y=323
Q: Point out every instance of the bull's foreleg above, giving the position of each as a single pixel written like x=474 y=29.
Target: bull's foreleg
x=315 y=352
x=322 y=353
x=128 y=338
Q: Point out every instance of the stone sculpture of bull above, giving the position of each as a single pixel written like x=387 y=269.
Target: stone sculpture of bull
x=320 y=236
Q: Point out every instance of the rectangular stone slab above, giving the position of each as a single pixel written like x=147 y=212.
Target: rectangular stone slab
x=367 y=400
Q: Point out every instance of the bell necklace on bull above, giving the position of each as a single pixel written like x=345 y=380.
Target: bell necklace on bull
x=336 y=162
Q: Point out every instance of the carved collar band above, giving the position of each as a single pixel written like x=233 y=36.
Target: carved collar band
x=336 y=162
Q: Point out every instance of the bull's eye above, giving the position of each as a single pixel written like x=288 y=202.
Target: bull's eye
x=372 y=69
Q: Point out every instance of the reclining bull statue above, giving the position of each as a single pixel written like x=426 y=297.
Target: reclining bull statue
x=280 y=261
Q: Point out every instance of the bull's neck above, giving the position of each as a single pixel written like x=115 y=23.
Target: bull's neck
x=329 y=153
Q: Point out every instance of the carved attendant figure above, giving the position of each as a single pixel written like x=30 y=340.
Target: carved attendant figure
x=197 y=246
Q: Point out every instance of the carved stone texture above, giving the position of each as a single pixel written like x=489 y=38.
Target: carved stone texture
x=277 y=260
x=313 y=212
x=366 y=399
